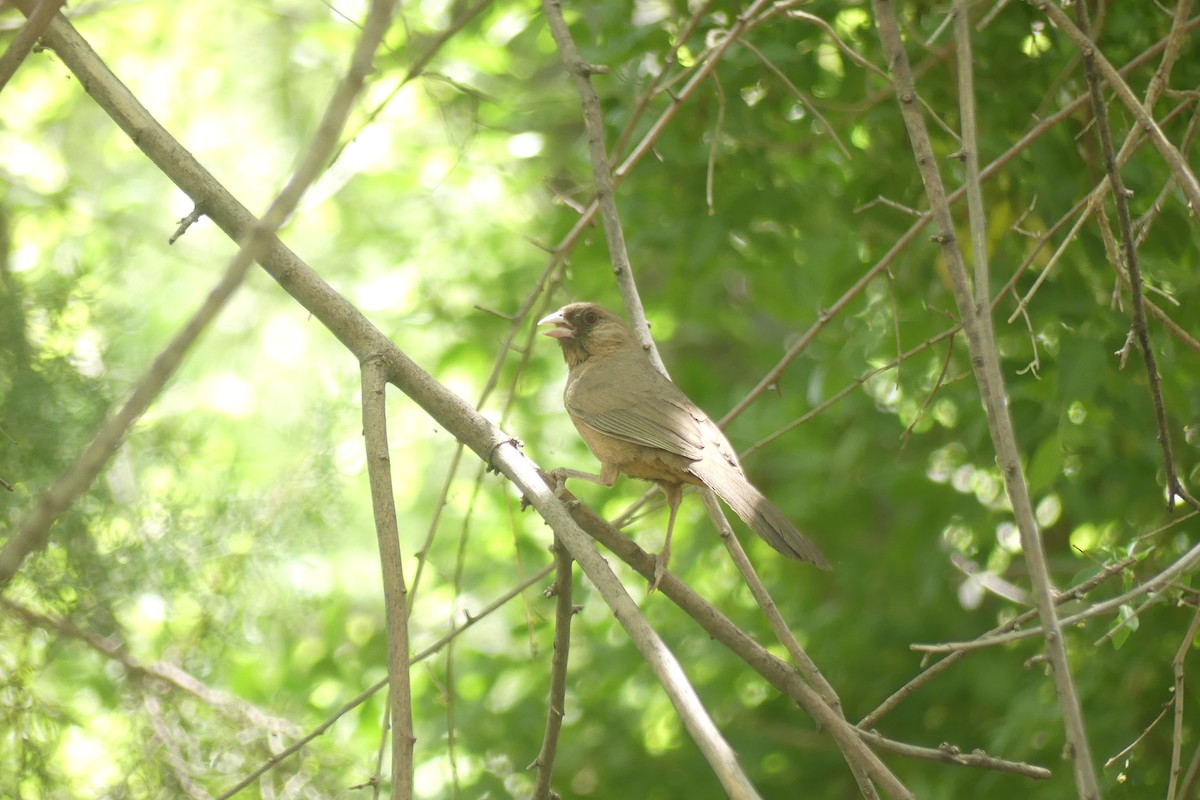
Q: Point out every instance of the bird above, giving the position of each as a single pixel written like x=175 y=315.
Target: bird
x=638 y=423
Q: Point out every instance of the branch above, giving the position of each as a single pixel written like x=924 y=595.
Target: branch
x=1175 y=160
x=236 y=709
x=985 y=361
x=367 y=693
x=564 y=610
x=987 y=173
x=602 y=175
x=949 y=754
x=26 y=38
x=1125 y=221
x=394 y=593
x=256 y=240
x=1185 y=647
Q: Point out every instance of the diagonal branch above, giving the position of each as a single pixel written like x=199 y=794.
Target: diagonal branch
x=256 y=239
x=1175 y=160
x=237 y=710
x=26 y=38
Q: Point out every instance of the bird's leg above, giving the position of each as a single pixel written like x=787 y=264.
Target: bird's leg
x=607 y=477
x=674 y=493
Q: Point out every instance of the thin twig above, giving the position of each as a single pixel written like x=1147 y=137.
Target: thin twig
x=850 y=52
x=949 y=754
x=927 y=674
x=804 y=99
x=716 y=143
x=1127 y=749
x=1184 y=564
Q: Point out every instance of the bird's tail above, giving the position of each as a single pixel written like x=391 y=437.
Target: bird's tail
x=766 y=520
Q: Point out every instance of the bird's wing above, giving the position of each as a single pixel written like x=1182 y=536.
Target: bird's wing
x=651 y=412
x=661 y=425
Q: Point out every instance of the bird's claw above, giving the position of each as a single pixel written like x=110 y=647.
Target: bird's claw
x=660 y=569
x=559 y=478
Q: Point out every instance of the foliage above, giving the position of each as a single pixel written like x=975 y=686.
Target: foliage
x=231 y=536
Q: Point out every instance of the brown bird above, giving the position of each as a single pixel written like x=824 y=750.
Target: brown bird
x=636 y=421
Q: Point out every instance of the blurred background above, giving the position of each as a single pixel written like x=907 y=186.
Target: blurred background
x=231 y=536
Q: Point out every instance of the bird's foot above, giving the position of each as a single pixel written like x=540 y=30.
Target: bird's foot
x=559 y=478
x=660 y=568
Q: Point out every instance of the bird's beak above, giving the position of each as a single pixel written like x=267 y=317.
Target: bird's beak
x=561 y=330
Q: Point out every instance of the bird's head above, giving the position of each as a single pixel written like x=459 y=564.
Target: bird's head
x=586 y=330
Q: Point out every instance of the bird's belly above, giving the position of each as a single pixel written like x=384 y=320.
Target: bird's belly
x=637 y=460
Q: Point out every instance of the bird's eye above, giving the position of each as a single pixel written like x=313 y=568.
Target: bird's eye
x=589 y=317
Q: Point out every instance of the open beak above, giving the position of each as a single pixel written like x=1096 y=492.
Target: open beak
x=561 y=330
